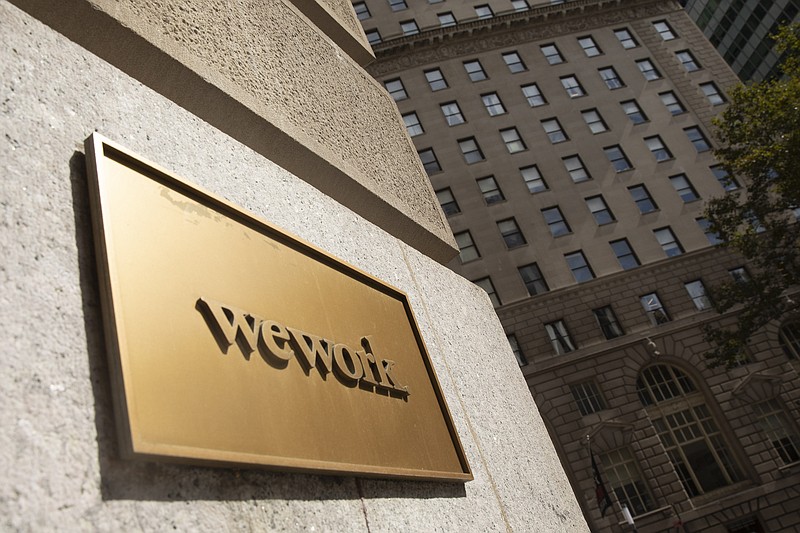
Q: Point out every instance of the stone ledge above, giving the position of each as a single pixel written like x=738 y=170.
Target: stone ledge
x=337 y=19
x=319 y=116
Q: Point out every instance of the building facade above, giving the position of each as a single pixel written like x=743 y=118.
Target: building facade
x=740 y=31
x=570 y=145
x=264 y=111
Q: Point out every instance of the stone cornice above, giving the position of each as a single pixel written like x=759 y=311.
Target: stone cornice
x=661 y=269
x=436 y=45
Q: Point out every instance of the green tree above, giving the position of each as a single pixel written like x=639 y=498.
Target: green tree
x=760 y=135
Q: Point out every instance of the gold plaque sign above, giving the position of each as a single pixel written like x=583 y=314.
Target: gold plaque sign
x=232 y=342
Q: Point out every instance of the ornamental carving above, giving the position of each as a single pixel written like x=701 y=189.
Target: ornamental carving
x=757 y=388
x=610 y=435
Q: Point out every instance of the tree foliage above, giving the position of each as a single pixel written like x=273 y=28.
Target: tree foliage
x=760 y=135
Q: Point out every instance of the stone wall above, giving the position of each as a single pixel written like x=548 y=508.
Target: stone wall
x=768 y=486
x=58 y=451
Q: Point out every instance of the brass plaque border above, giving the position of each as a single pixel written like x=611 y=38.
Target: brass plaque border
x=99 y=151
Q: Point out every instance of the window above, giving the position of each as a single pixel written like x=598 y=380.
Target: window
x=487 y=285
x=512 y=341
x=484 y=12
x=672 y=103
x=511 y=234
x=574 y=165
x=396 y=89
x=413 y=127
x=493 y=104
x=608 y=322
x=625 y=479
x=490 y=191
x=697 y=139
x=514 y=62
x=772 y=420
x=409 y=27
x=466 y=246
x=533 y=179
x=739 y=274
x=642 y=199
x=611 y=78
x=533 y=95
x=684 y=188
x=553 y=130
x=687 y=60
x=448 y=202
x=600 y=211
x=373 y=36
x=622 y=249
x=520 y=5
x=587 y=397
x=755 y=223
x=590 y=47
x=429 y=161
x=668 y=242
x=617 y=158
x=687 y=430
x=655 y=311
x=713 y=93
x=648 y=70
x=789 y=339
x=471 y=150
x=555 y=221
x=579 y=266
x=551 y=54
x=533 y=279
x=724 y=179
x=697 y=292
x=474 y=70
x=452 y=113
x=446 y=19
x=625 y=38
x=664 y=30
x=512 y=140
x=572 y=86
x=656 y=145
x=712 y=236
x=634 y=112
x=361 y=11
x=559 y=337
x=594 y=121
x=435 y=79
x=398 y=5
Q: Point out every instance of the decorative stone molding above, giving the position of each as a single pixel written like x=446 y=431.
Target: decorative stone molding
x=757 y=388
x=508 y=30
x=610 y=435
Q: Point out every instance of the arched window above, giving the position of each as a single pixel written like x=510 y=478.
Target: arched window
x=687 y=429
x=789 y=339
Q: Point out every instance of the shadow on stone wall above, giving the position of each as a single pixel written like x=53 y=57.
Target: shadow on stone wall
x=140 y=480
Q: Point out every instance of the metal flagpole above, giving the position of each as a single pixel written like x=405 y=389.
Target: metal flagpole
x=601 y=494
